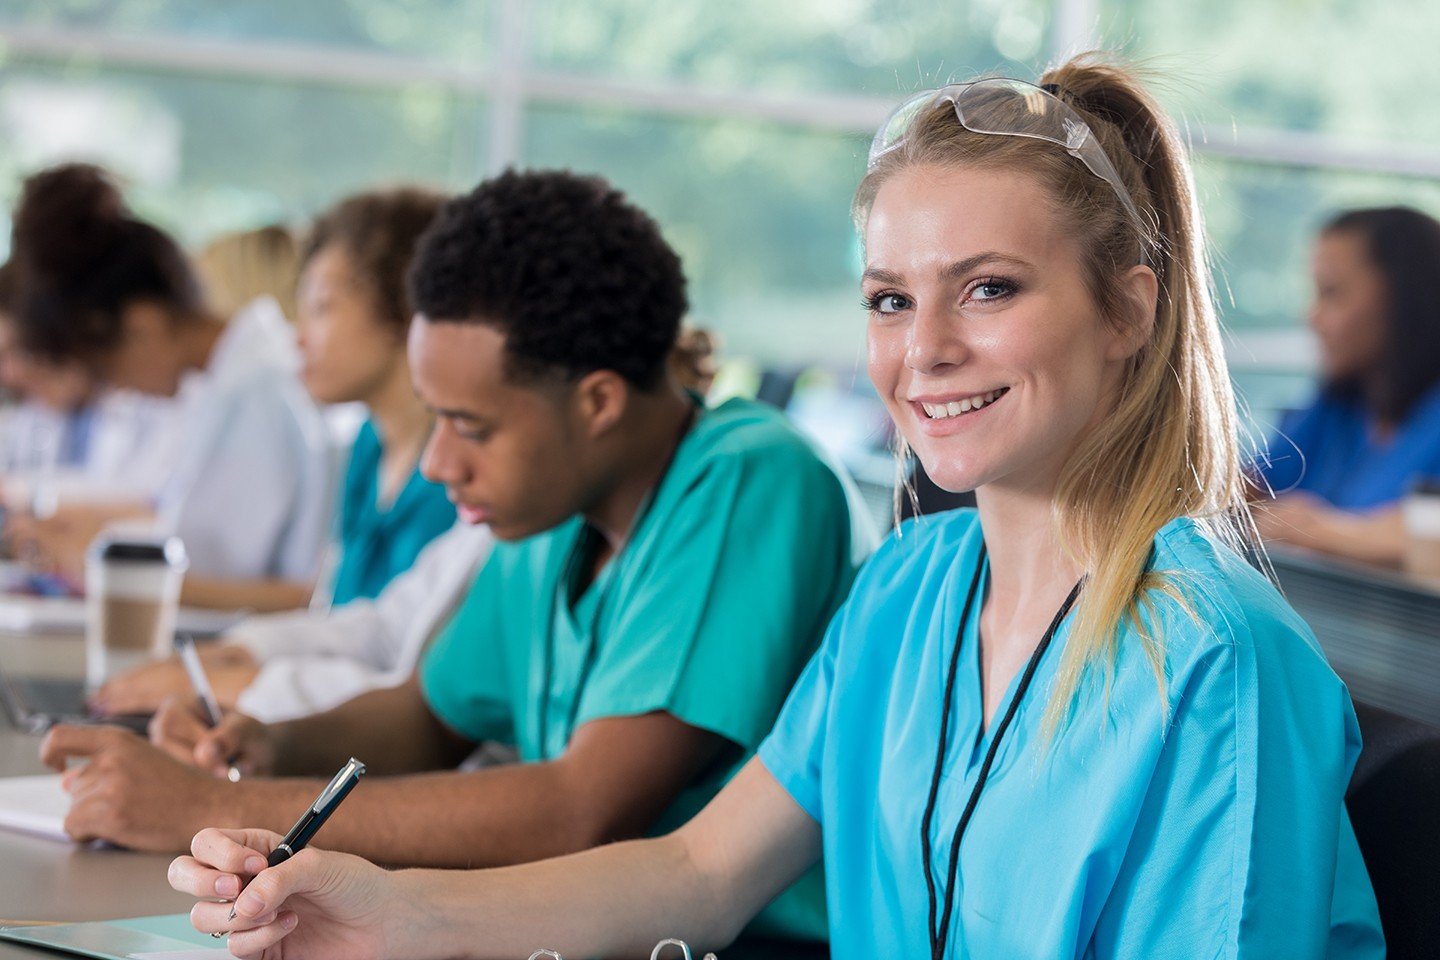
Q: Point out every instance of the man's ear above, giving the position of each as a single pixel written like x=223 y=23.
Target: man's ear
x=601 y=398
x=1140 y=294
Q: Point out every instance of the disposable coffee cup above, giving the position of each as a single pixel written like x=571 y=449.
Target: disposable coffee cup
x=1421 y=511
x=132 y=591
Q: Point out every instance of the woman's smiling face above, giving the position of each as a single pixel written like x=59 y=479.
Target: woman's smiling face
x=984 y=340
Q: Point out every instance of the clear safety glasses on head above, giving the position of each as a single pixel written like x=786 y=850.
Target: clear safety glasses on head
x=1009 y=108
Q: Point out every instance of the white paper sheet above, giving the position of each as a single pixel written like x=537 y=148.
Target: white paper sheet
x=197 y=954
x=34 y=805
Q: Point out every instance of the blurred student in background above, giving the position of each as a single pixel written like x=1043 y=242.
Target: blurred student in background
x=249 y=493
x=1339 y=467
x=65 y=438
x=354 y=317
x=235 y=268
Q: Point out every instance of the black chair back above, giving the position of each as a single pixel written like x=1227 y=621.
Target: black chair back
x=1394 y=803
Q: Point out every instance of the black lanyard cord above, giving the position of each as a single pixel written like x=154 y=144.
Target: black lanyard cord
x=926 y=848
x=940 y=935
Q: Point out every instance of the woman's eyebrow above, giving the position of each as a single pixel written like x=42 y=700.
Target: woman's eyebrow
x=956 y=270
x=963 y=268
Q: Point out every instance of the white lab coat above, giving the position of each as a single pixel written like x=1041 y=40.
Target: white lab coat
x=311 y=662
x=251 y=493
x=131 y=448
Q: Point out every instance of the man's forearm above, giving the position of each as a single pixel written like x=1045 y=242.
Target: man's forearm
x=392 y=731
x=484 y=818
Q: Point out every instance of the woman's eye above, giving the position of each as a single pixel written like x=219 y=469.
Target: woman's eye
x=991 y=290
x=889 y=303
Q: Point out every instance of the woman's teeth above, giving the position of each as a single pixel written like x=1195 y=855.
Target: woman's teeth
x=943 y=411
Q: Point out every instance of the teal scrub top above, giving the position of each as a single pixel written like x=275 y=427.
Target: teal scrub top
x=1214 y=827
x=708 y=613
x=377 y=544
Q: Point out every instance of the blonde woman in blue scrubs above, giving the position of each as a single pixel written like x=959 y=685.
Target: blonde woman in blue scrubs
x=1072 y=723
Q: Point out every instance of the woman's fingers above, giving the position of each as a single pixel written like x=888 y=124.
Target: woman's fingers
x=211 y=917
x=234 y=851
x=253 y=943
x=189 y=875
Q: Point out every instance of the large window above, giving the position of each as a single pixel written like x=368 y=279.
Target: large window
x=740 y=125
x=1299 y=109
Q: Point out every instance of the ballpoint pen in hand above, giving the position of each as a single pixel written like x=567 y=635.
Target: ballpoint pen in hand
x=313 y=818
x=190 y=660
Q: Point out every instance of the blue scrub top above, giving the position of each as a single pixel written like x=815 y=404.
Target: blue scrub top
x=377 y=544
x=1219 y=833
x=1330 y=449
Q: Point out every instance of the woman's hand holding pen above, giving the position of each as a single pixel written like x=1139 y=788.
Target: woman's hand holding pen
x=181 y=730
x=317 y=905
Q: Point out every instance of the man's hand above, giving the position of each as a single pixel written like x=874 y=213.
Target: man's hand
x=230 y=669
x=129 y=792
x=240 y=741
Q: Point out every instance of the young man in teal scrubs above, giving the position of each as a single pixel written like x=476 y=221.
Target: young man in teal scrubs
x=666 y=572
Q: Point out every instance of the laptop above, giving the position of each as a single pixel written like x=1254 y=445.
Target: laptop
x=35 y=704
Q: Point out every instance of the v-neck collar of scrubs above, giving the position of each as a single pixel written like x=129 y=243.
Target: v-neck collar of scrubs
x=576 y=621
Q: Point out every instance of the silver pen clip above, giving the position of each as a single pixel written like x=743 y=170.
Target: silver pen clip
x=352 y=769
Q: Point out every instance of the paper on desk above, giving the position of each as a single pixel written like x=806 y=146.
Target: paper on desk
x=34 y=805
x=149 y=938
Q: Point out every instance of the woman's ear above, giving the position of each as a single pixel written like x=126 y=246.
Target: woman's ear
x=1140 y=294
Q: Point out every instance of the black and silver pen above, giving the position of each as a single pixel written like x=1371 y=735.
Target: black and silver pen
x=314 y=816
x=200 y=683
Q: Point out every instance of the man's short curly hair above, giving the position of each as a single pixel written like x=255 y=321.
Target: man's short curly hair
x=574 y=276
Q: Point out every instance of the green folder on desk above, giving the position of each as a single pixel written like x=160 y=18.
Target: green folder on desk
x=147 y=938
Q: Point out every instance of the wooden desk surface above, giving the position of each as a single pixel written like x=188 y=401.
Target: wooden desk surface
x=44 y=879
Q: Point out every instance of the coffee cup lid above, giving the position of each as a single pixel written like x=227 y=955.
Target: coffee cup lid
x=133 y=549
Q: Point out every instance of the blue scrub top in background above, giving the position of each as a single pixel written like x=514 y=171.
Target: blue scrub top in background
x=378 y=543
x=1221 y=834
x=1330 y=449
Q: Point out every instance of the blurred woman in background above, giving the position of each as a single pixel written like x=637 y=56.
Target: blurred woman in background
x=353 y=320
x=249 y=493
x=1338 y=467
x=354 y=317
x=65 y=438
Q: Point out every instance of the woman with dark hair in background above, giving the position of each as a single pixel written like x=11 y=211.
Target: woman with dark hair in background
x=249 y=493
x=354 y=316
x=64 y=437
x=1339 y=467
x=353 y=320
